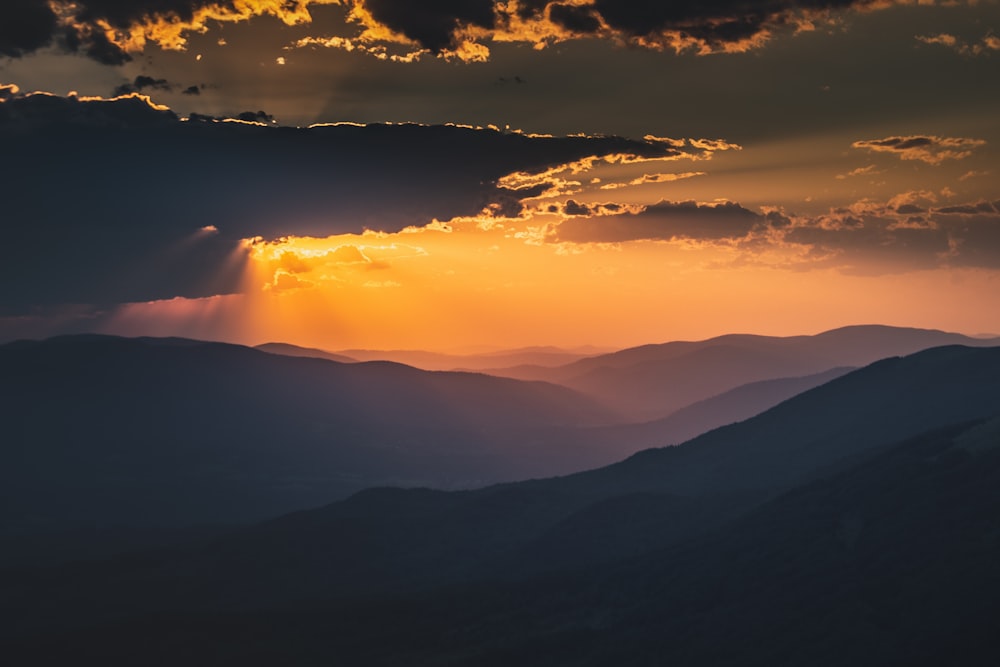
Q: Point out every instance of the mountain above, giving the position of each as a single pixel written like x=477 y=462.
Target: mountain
x=653 y=381
x=296 y=351
x=385 y=543
x=109 y=431
x=542 y=356
x=732 y=406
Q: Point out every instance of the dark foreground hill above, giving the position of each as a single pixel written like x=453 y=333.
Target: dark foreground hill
x=103 y=431
x=551 y=571
x=891 y=560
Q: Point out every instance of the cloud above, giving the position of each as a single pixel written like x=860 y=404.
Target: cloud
x=983 y=47
x=284 y=282
x=463 y=30
x=255 y=117
x=25 y=26
x=8 y=91
x=925 y=148
x=573 y=208
x=877 y=238
x=646 y=179
x=664 y=221
x=868 y=170
x=906 y=233
x=141 y=83
x=21 y=115
x=89 y=218
x=567 y=179
x=110 y=30
x=260 y=118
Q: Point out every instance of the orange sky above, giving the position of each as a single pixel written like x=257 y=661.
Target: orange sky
x=465 y=287
x=827 y=168
x=491 y=281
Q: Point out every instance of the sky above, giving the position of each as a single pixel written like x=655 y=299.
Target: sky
x=469 y=175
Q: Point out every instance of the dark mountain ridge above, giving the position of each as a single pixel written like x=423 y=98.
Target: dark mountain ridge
x=652 y=381
x=297 y=351
x=387 y=542
x=737 y=404
x=173 y=432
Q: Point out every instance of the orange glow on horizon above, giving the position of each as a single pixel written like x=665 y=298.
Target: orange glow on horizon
x=448 y=287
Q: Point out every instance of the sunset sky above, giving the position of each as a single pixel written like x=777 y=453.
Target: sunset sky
x=472 y=174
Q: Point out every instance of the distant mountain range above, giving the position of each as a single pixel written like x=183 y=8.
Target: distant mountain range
x=543 y=356
x=734 y=405
x=653 y=381
x=173 y=432
x=114 y=442
x=312 y=352
x=856 y=522
x=680 y=389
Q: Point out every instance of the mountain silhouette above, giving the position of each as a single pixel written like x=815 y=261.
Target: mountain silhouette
x=543 y=356
x=104 y=431
x=296 y=351
x=735 y=405
x=813 y=463
x=653 y=381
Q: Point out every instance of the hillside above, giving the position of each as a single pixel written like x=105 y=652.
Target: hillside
x=169 y=432
x=387 y=542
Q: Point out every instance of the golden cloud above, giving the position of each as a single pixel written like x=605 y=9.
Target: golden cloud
x=404 y=31
x=925 y=148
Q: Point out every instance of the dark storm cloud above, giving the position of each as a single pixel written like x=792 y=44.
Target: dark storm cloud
x=663 y=221
x=108 y=201
x=443 y=27
x=432 y=23
x=28 y=25
x=705 y=26
x=245 y=116
x=28 y=115
x=575 y=18
x=25 y=26
x=95 y=44
x=714 y=23
x=142 y=83
x=255 y=117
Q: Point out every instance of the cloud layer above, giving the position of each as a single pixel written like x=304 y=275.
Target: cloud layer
x=929 y=149
x=909 y=232
x=110 y=30
x=120 y=200
x=663 y=221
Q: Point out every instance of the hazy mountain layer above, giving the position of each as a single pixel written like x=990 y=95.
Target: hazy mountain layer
x=386 y=542
x=150 y=432
x=735 y=405
x=652 y=381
